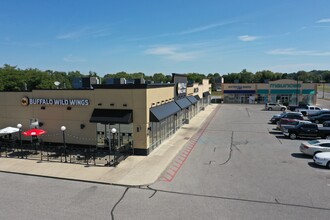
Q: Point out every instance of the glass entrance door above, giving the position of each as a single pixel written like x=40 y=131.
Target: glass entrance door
x=284 y=99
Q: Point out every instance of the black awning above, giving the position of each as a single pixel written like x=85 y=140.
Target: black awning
x=197 y=97
x=112 y=116
x=183 y=103
x=192 y=99
x=161 y=112
x=205 y=94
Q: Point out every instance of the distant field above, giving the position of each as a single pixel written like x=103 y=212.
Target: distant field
x=215 y=93
x=326 y=88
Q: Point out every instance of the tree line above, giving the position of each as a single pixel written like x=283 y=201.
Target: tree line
x=16 y=79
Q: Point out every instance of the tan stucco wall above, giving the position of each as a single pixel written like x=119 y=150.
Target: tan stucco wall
x=53 y=116
x=191 y=89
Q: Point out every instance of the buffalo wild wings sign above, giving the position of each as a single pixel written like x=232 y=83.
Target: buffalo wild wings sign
x=41 y=101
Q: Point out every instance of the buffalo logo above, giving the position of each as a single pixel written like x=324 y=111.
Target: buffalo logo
x=25 y=101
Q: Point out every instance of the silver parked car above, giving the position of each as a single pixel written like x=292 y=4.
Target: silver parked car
x=315 y=146
x=275 y=106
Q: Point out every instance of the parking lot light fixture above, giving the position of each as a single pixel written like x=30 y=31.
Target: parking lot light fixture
x=63 y=128
x=114 y=131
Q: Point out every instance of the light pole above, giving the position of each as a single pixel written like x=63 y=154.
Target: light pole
x=19 y=126
x=108 y=139
x=323 y=81
x=113 y=131
x=63 y=128
x=297 y=90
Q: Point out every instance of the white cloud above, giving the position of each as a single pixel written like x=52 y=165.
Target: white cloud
x=324 y=20
x=73 y=59
x=247 y=38
x=293 y=51
x=203 y=28
x=172 y=53
x=84 y=32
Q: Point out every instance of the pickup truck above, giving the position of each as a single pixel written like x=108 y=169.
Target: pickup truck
x=307 y=130
x=294 y=107
x=309 y=110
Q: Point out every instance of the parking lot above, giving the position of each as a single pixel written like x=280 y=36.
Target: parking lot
x=253 y=170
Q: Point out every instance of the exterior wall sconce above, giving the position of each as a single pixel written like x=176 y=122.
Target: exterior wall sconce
x=138 y=128
x=43 y=107
x=99 y=104
x=112 y=104
x=125 y=105
x=68 y=108
x=41 y=124
x=82 y=126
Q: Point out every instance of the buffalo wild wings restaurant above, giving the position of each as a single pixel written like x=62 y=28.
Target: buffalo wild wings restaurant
x=137 y=117
x=283 y=91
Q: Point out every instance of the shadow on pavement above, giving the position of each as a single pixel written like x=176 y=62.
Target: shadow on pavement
x=281 y=137
x=301 y=156
x=314 y=165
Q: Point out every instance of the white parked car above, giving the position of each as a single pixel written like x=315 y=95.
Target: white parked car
x=322 y=159
x=275 y=106
x=315 y=146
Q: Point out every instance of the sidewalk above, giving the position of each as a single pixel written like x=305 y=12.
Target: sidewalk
x=134 y=171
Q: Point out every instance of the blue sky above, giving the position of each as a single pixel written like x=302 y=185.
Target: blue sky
x=169 y=36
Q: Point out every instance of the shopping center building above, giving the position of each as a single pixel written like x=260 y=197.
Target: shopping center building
x=143 y=114
x=283 y=91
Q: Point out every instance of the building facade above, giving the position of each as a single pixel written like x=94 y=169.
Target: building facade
x=283 y=91
x=144 y=115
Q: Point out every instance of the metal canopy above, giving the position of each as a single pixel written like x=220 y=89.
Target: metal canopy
x=197 y=97
x=112 y=116
x=205 y=94
x=161 y=112
x=183 y=103
x=192 y=99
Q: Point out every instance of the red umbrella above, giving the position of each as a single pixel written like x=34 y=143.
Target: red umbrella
x=34 y=132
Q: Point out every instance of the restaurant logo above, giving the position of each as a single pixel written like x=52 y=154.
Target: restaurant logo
x=40 y=101
x=181 y=88
x=25 y=101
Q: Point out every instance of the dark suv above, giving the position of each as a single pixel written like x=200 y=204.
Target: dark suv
x=290 y=115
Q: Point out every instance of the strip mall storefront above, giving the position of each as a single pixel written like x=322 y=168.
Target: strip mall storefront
x=283 y=91
x=143 y=115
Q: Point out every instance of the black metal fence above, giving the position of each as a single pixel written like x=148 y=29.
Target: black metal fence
x=85 y=155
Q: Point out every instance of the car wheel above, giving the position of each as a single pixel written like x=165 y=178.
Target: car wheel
x=270 y=108
x=316 y=153
x=282 y=109
x=293 y=136
x=304 y=113
x=328 y=165
x=327 y=137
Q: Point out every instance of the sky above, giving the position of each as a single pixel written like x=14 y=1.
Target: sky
x=165 y=36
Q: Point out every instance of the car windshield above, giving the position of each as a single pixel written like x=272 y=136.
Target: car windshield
x=293 y=122
x=313 y=142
